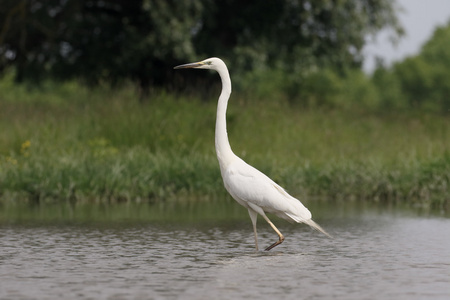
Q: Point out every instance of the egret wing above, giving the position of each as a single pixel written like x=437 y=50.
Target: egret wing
x=248 y=185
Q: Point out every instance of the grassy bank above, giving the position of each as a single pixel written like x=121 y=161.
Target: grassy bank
x=67 y=143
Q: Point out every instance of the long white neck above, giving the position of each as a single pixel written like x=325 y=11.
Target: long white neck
x=223 y=149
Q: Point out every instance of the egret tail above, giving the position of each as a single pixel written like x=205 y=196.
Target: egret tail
x=317 y=227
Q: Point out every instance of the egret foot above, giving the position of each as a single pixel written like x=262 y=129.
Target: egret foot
x=276 y=243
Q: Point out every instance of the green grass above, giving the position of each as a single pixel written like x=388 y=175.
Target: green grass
x=68 y=143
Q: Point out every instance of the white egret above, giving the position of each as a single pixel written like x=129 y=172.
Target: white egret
x=247 y=185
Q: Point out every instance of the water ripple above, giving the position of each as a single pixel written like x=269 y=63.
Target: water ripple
x=390 y=257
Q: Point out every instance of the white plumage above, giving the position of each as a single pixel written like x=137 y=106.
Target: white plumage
x=247 y=185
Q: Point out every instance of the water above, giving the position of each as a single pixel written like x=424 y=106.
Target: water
x=373 y=255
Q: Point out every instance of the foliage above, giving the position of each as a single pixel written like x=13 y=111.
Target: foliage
x=108 y=41
x=424 y=79
x=418 y=82
x=98 y=41
x=295 y=36
x=61 y=143
x=390 y=93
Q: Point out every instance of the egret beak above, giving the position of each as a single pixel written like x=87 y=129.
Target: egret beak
x=191 y=65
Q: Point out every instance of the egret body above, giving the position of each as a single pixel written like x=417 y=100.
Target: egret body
x=247 y=185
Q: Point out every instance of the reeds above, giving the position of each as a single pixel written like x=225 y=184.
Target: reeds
x=68 y=143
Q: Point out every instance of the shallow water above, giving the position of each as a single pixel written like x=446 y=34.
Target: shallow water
x=373 y=255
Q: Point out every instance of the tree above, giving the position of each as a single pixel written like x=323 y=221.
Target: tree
x=111 y=40
x=96 y=40
x=425 y=78
x=294 y=35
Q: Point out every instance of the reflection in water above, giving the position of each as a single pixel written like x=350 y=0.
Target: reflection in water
x=372 y=256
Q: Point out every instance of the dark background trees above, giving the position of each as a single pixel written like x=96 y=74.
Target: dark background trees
x=303 y=48
x=112 y=40
x=96 y=41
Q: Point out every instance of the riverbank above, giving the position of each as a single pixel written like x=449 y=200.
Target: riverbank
x=69 y=143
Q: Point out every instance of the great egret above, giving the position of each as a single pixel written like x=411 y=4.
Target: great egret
x=247 y=185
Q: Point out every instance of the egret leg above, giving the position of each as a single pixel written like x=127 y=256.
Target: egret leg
x=253 y=216
x=281 y=237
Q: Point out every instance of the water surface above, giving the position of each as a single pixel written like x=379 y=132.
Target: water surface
x=374 y=255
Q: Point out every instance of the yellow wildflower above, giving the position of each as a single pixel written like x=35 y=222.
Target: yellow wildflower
x=24 y=148
x=11 y=160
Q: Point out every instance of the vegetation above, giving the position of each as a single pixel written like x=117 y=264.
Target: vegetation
x=110 y=41
x=420 y=82
x=318 y=125
x=62 y=143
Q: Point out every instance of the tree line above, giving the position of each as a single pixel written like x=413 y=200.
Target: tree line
x=308 y=51
x=420 y=81
x=109 y=41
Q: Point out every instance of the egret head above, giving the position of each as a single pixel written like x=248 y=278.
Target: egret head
x=215 y=64
x=212 y=63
